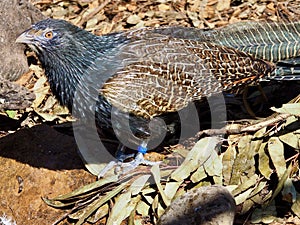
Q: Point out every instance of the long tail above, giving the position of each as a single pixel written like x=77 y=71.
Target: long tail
x=271 y=41
x=287 y=70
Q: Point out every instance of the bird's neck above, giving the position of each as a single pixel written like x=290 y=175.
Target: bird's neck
x=80 y=68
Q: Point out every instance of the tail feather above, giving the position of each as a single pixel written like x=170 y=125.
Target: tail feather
x=270 y=41
x=286 y=70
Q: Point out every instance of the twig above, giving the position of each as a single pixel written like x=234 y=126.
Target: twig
x=89 y=16
x=243 y=129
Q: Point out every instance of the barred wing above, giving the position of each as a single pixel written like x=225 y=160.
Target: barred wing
x=163 y=74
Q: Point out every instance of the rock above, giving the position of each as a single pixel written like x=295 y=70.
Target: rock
x=17 y=16
x=33 y=165
x=14 y=96
x=211 y=205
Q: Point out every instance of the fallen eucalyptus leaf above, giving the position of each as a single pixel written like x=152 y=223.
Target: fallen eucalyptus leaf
x=86 y=189
x=195 y=158
x=264 y=214
x=290 y=108
x=276 y=151
x=100 y=201
x=296 y=205
x=264 y=162
x=156 y=174
x=290 y=139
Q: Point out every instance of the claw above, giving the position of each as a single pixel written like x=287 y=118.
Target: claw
x=121 y=168
x=138 y=160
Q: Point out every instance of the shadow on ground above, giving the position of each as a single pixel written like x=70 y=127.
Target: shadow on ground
x=41 y=146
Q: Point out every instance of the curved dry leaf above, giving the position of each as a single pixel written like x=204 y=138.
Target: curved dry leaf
x=156 y=174
x=260 y=133
x=120 y=210
x=276 y=152
x=282 y=180
x=87 y=188
x=264 y=162
x=290 y=108
x=195 y=158
x=255 y=196
x=290 y=120
x=90 y=209
x=266 y=214
x=100 y=213
x=213 y=165
x=171 y=189
x=290 y=139
x=138 y=184
x=228 y=160
x=252 y=181
x=296 y=205
x=56 y=204
x=198 y=175
x=143 y=208
x=244 y=162
x=243 y=196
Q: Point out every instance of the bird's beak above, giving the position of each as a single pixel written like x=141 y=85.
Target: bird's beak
x=27 y=37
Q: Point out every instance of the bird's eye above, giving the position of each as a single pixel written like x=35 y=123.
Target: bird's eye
x=49 y=35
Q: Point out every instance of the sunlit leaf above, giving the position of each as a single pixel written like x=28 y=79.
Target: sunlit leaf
x=156 y=174
x=228 y=160
x=243 y=196
x=143 y=208
x=99 y=202
x=87 y=188
x=171 y=189
x=264 y=162
x=198 y=175
x=246 y=185
x=120 y=210
x=290 y=108
x=290 y=139
x=138 y=184
x=11 y=113
x=196 y=157
x=276 y=151
x=244 y=161
x=100 y=213
x=213 y=165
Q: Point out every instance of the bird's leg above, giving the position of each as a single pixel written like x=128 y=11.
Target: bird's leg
x=138 y=160
x=122 y=167
x=120 y=157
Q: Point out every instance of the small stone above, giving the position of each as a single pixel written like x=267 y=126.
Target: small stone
x=133 y=19
x=212 y=205
x=163 y=7
x=17 y=17
x=91 y=23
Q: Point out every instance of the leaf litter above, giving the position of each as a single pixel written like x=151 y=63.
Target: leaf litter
x=258 y=162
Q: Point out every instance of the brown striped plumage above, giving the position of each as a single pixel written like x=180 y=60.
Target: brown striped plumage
x=174 y=72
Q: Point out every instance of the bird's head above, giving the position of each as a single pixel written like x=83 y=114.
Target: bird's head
x=65 y=52
x=51 y=35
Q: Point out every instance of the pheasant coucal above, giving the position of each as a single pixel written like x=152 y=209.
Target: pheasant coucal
x=133 y=77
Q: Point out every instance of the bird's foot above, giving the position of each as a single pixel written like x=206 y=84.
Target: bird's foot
x=121 y=167
x=138 y=160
